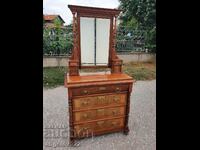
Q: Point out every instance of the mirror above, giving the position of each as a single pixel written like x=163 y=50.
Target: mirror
x=94 y=41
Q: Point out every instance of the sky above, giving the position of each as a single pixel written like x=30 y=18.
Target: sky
x=60 y=6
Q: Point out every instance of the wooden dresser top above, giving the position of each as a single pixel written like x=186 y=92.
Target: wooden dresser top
x=97 y=79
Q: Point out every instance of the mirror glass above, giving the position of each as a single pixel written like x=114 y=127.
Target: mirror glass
x=94 y=41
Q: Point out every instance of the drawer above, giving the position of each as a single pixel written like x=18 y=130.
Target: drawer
x=94 y=127
x=99 y=114
x=99 y=101
x=99 y=89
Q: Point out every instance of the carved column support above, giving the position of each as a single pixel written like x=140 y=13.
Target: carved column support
x=116 y=66
x=73 y=67
x=126 y=128
x=74 y=61
x=74 y=54
x=71 y=129
x=75 y=37
x=114 y=38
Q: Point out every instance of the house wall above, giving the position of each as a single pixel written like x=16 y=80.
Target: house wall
x=49 y=24
x=54 y=61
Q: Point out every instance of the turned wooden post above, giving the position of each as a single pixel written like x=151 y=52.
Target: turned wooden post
x=116 y=66
x=74 y=60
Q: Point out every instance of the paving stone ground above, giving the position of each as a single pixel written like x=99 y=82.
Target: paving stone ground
x=142 y=122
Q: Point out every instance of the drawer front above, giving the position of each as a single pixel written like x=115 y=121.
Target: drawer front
x=99 y=101
x=99 y=114
x=99 y=89
x=106 y=125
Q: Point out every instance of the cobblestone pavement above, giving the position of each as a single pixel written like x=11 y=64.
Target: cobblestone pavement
x=142 y=122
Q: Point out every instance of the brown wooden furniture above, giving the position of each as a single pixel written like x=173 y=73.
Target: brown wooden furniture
x=98 y=104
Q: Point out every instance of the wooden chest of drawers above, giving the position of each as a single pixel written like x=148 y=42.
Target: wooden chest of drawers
x=98 y=104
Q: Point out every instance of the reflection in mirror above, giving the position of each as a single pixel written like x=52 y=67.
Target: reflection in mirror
x=94 y=41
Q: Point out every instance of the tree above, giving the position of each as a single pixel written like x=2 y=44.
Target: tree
x=43 y=21
x=57 y=22
x=57 y=40
x=141 y=14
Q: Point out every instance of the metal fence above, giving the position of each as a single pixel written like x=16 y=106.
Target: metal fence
x=60 y=41
x=130 y=40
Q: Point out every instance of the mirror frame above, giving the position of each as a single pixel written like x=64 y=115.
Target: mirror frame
x=81 y=11
x=109 y=46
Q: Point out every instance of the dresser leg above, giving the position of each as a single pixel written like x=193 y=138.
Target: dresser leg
x=71 y=141
x=126 y=131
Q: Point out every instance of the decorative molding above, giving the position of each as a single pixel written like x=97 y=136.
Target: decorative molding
x=94 y=11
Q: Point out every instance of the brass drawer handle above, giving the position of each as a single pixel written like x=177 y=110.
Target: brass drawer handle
x=84 y=91
x=85 y=115
x=116 y=99
x=114 y=123
x=85 y=103
x=85 y=128
x=101 y=97
x=100 y=110
x=115 y=112
x=117 y=89
x=102 y=88
x=100 y=123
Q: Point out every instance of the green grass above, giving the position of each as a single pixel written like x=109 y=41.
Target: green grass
x=140 y=71
x=54 y=76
